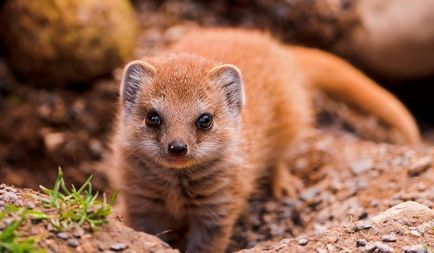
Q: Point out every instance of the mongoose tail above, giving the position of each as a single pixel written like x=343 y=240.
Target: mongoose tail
x=338 y=78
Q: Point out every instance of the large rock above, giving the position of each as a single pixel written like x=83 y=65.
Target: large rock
x=394 y=39
x=67 y=41
x=403 y=228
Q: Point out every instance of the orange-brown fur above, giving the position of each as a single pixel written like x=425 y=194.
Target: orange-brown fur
x=199 y=201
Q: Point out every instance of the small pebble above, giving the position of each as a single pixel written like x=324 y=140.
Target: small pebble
x=361 y=242
x=361 y=225
x=330 y=247
x=383 y=248
x=415 y=249
x=420 y=166
x=361 y=166
x=101 y=246
x=10 y=189
x=118 y=246
x=321 y=250
x=73 y=243
x=370 y=247
x=10 y=197
x=389 y=238
x=78 y=233
x=30 y=205
x=8 y=221
x=309 y=193
x=303 y=241
x=284 y=241
x=63 y=235
x=415 y=233
x=50 y=227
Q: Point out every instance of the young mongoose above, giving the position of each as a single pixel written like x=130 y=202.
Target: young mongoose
x=198 y=126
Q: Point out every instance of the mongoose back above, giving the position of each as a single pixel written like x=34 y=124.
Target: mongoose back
x=199 y=125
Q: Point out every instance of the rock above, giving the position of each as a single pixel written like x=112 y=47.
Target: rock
x=389 y=238
x=78 y=232
x=415 y=249
x=362 y=225
x=383 y=30
x=73 y=243
x=361 y=243
x=63 y=235
x=361 y=166
x=416 y=233
x=420 y=166
x=400 y=210
x=10 y=189
x=69 y=41
x=303 y=241
x=10 y=197
x=309 y=193
x=383 y=248
x=370 y=247
x=118 y=246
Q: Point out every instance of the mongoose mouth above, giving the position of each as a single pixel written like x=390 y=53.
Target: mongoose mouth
x=178 y=162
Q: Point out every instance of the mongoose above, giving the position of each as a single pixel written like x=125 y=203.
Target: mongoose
x=199 y=125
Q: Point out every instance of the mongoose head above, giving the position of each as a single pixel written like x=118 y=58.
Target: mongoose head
x=180 y=111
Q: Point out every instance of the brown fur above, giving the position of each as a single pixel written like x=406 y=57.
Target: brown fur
x=200 y=200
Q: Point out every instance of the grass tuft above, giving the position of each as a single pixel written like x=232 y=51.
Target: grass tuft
x=64 y=208
x=76 y=207
x=10 y=240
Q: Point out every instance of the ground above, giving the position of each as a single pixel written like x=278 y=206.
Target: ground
x=348 y=172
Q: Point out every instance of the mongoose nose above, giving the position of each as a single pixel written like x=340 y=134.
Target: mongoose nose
x=176 y=148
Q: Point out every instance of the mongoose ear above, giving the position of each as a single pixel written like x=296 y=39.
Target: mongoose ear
x=136 y=74
x=229 y=77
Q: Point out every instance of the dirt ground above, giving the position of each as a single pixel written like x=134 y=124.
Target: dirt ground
x=347 y=173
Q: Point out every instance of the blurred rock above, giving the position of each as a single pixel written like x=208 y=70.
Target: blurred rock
x=52 y=42
x=393 y=40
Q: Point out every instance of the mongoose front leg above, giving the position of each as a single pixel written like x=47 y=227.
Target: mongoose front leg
x=210 y=236
x=284 y=183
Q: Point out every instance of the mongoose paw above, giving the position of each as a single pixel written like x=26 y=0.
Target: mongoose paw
x=285 y=184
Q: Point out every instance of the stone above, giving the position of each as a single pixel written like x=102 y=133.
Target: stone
x=383 y=248
x=73 y=243
x=303 y=241
x=361 y=242
x=10 y=197
x=415 y=249
x=389 y=238
x=400 y=210
x=63 y=235
x=118 y=246
x=362 y=225
x=69 y=41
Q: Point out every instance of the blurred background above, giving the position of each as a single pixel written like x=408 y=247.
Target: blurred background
x=61 y=60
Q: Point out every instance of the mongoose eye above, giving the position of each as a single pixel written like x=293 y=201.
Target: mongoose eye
x=205 y=121
x=153 y=119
